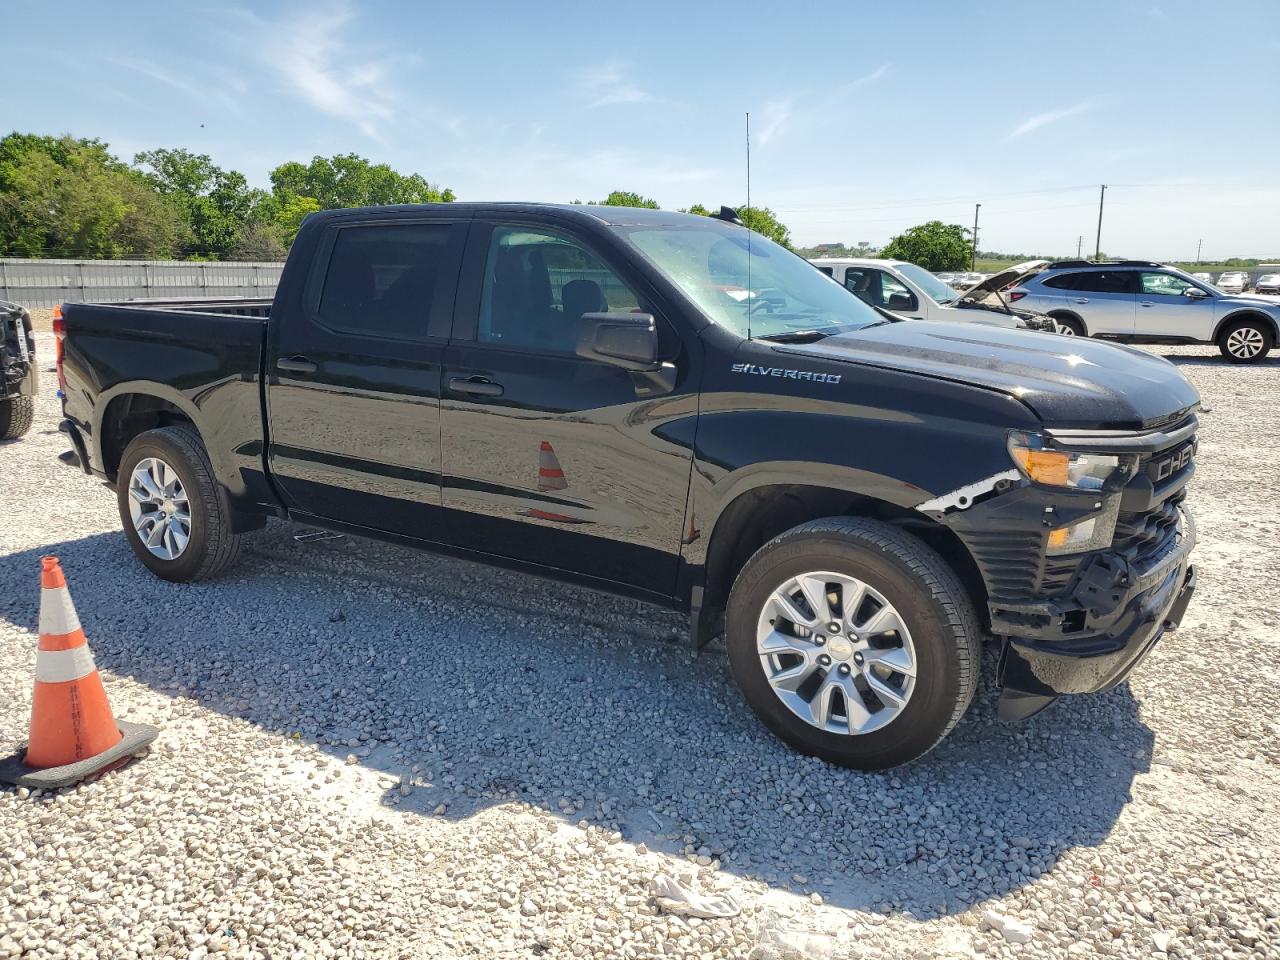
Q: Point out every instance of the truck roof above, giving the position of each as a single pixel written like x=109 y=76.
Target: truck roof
x=612 y=216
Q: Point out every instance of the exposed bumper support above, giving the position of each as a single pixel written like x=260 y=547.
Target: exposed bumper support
x=78 y=456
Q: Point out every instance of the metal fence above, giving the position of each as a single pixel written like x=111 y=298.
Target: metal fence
x=46 y=283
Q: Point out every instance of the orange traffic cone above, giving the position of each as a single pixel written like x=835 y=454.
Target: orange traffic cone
x=73 y=734
x=550 y=476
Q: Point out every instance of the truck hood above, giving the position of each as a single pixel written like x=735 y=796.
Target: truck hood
x=1066 y=381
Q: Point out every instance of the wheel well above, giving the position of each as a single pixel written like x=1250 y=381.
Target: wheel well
x=759 y=515
x=1247 y=315
x=1070 y=316
x=129 y=415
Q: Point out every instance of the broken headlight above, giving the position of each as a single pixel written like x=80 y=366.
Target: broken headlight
x=1103 y=473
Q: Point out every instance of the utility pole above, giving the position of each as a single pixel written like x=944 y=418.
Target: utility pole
x=973 y=254
x=1079 y=245
x=1199 y=244
x=1097 y=250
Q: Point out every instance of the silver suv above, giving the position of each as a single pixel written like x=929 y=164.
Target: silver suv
x=1138 y=302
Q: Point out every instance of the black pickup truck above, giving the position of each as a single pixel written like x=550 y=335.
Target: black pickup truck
x=671 y=407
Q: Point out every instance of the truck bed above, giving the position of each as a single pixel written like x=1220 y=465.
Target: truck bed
x=222 y=306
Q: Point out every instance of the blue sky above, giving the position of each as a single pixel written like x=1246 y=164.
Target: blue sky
x=866 y=118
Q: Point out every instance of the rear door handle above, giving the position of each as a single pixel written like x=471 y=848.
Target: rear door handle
x=296 y=365
x=1079 y=299
x=1145 y=303
x=476 y=387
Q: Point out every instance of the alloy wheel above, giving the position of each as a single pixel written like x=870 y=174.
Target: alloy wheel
x=1245 y=343
x=836 y=653
x=159 y=508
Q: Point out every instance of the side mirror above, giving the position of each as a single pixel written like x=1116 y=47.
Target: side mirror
x=626 y=340
x=1195 y=293
x=901 y=301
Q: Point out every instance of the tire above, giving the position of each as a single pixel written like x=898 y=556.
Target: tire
x=939 y=623
x=16 y=416
x=211 y=546
x=1068 y=325
x=1245 y=341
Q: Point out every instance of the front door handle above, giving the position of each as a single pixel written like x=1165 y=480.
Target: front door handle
x=296 y=365
x=476 y=387
x=1080 y=300
x=1145 y=303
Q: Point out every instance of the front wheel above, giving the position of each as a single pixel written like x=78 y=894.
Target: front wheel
x=174 y=515
x=16 y=416
x=853 y=641
x=1245 y=341
x=1068 y=326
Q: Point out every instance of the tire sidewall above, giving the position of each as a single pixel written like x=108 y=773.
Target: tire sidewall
x=157 y=444
x=927 y=715
x=1070 y=322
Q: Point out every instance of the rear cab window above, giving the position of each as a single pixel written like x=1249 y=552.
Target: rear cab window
x=383 y=280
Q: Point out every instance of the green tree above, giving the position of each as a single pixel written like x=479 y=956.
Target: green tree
x=258 y=241
x=216 y=204
x=626 y=198
x=348 y=180
x=934 y=245
x=63 y=197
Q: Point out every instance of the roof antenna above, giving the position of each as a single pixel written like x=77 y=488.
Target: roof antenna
x=750 y=305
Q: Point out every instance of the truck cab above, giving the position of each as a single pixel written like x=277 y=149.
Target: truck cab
x=674 y=408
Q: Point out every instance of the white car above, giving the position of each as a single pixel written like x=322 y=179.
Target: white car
x=1203 y=277
x=916 y=294
x=1233 y=282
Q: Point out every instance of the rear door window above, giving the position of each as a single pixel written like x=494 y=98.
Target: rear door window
x=1064 y=281
x=1107 y=281
x=382 y=279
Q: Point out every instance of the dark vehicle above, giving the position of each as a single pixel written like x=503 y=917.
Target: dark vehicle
x=18 y=376
x=670 y=407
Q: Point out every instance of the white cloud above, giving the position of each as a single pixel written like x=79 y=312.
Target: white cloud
x=319 y=65
x=876 y=74
x=1044 y=119
x=607 y=84
x=190 y=85
x=776 y=113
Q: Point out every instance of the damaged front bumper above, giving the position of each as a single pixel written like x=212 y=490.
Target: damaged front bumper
x=1092 y=639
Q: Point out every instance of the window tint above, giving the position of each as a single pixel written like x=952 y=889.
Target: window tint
x=1063 y=281
x=538 y=285
x=382 y=279
x=829 y=271
x=859 y=282
x=1106 y=281
x=1164 y=285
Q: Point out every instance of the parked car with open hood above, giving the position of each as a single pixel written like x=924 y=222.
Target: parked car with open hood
x=913 y=292
x=1137 y=301
x=674 y=408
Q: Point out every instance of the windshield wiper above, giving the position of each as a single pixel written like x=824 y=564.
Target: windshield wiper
x=797 y=336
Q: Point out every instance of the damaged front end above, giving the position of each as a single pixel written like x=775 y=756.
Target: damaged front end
x=1084 y=551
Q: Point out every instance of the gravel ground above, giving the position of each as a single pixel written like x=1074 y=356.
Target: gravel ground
x=369 y=751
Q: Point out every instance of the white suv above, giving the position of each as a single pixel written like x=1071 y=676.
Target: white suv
x=1139 y=302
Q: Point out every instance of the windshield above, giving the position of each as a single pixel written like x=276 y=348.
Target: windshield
x=769 y=292
x=927 y=282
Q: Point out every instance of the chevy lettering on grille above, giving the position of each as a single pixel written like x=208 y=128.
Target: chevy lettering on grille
x=1165 y=467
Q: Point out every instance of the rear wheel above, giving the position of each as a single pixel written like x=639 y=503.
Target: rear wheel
x=1068 y=325
x=1245 y=341
x=175 y=517
x=853 y=641
x=16 y=416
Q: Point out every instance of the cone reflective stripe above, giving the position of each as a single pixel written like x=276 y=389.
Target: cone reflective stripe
x=550 y=476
